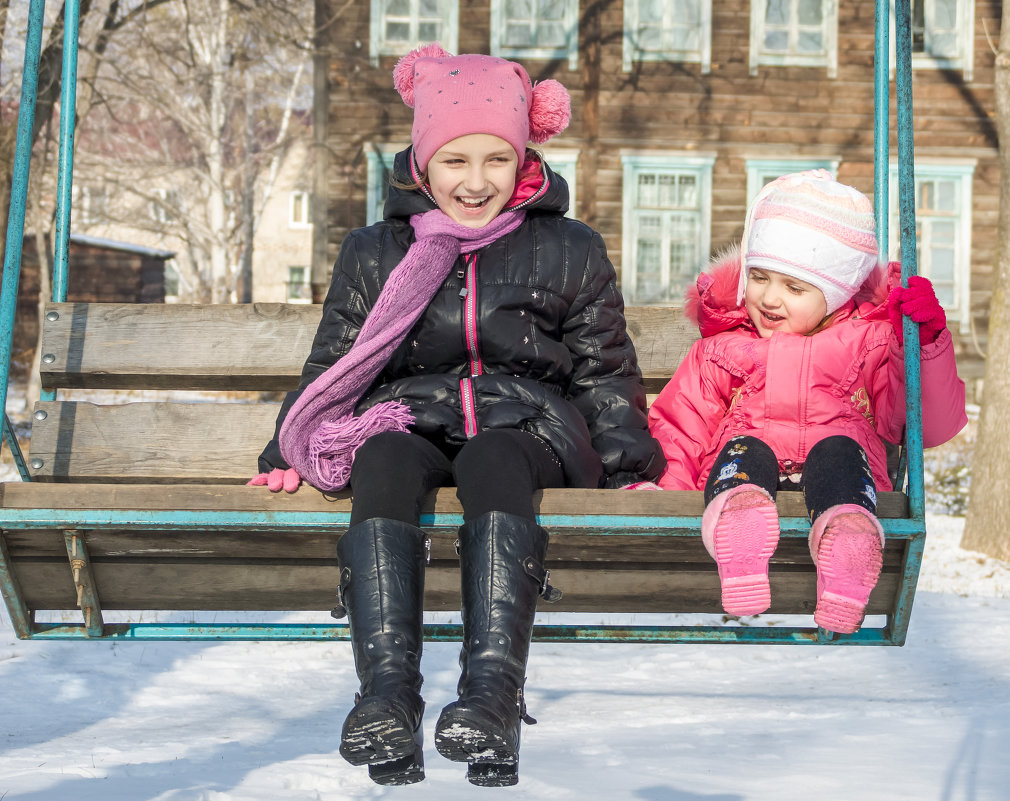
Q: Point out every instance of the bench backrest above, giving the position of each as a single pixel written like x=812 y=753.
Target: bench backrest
x=223 y=349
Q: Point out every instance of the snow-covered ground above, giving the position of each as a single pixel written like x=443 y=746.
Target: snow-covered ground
x=261 y=721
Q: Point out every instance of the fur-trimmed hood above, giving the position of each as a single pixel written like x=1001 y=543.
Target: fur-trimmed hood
x=711 y=302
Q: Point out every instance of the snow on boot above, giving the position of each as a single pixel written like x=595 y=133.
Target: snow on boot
x=740 y=529
x=502 y=575
x=381 y=588
x=846 y=544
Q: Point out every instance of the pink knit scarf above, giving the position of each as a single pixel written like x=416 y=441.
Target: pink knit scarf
x=320 y=434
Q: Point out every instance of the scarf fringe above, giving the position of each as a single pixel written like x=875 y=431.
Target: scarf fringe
x=332 y=445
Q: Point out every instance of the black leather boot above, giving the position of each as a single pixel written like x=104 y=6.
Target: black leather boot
x=382 y=590
x=501 y=571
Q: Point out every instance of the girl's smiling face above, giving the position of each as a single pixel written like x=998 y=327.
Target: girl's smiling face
x=778 y=303
x=473 y=177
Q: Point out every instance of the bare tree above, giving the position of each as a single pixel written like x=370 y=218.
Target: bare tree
x=198 y=108
x=987 y=527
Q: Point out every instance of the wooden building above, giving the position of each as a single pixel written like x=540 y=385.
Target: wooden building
x=682 y=109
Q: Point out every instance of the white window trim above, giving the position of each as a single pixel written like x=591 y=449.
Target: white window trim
x=571 y=52
x=293 y=201
x=635 y=161
x=964 y=61
x=703 y=56
x=758 y=166
x=927 y=169
x=378 y=47
x=759 y=56
x=373 y=153
x=565 y=162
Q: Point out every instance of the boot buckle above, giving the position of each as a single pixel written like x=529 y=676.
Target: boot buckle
x=543 y=578
x=427 y=550
x=339 y=610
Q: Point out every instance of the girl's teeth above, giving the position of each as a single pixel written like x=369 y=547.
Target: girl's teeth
x=473 y=204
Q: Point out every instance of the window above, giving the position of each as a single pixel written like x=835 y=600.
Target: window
x=942 y=232
x=565 y=163
x=380 y=167
x=668 y=30
x=299 y=285
x=172 y=281
x=942 y=35
x=300 y=210
x=667 y=216
x=761 y=171
x=94 y=205
x=398 y=26
x=535 y=29
x=796 y=33
x=165 y=206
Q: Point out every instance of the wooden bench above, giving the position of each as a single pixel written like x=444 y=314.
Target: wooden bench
x=142 y=505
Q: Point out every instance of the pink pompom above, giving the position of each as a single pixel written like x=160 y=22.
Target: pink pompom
x=403 y=72
x=550 y=111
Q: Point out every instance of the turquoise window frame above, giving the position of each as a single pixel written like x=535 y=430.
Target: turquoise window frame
x=633 y=52
x=379 y=45
x=792 y=57
x=569 y=51
x=668 y=164
x=762 y=170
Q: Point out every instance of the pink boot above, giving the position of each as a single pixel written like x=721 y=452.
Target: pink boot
x=846 y=544
x=740 y=528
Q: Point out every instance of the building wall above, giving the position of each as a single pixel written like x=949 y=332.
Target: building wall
x=727 y=114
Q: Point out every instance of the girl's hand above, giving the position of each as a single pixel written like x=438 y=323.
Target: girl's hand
x=277 y=479
x=917 y=301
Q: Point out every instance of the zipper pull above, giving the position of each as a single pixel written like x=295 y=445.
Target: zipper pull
x=463 y=293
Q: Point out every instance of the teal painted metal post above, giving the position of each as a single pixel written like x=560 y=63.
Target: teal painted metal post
x=882 y=125
x=68 y=120
x=909 y=254
x=19 y=192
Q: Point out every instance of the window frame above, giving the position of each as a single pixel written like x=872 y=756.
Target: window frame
x=565 y=162
x=300 y=197
x=379 y=46
x=962 y=172
x=964 y=61
x=633 y=54
x=377 y=156
x=635 y=163
x=759 y=56
x=306 y=283
x=759 y=166
x=569 y=52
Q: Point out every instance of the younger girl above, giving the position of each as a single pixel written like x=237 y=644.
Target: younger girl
x=474 y=337
x=796 y=381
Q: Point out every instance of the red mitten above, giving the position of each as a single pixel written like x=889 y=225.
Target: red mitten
x=917 y=301
x=277 y=480
x=642 y=485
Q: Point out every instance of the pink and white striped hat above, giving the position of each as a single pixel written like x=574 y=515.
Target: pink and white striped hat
x=813 y=228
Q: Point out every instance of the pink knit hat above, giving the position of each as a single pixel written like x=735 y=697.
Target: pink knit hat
x=453 y=96
x=813 y=228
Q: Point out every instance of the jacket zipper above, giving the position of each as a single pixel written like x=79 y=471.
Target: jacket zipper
x=469 y=296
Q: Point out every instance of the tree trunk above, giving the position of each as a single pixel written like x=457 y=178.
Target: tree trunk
x=987 y=527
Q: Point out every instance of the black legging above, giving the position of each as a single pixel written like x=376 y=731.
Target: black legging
x=496 y=471
x=836 y=471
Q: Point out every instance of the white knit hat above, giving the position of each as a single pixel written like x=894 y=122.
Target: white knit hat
x=809 y=226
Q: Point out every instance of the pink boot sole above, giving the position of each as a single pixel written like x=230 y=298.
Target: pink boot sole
x=849 y=557
x=743 y=540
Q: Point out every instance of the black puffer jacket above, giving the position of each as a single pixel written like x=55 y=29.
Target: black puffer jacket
x=536 y=341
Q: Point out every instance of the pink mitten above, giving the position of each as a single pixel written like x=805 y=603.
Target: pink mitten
x=277 y=479
x=917 y=301
x=642 y=485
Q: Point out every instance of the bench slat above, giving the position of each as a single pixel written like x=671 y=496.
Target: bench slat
x=258 y=346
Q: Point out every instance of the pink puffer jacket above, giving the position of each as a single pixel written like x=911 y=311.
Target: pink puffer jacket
x=792 y=391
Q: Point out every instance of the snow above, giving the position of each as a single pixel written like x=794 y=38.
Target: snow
x=261 y=721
